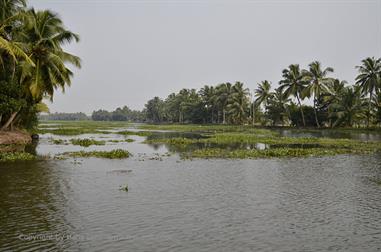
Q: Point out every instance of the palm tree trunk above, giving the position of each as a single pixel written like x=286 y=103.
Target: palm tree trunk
x=223 y=116
x=315 y=112
x=301 y=110
x=10 y=120
x=369 y=108
x=253 y=114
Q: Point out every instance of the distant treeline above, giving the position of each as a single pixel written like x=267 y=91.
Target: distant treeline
x=65 y=116
x=119 y=114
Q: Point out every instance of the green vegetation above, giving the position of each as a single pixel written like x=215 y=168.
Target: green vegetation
x=58 y=141
x=16 y=156
x=267 y=153
x=124 y=188
x=243 y=145
x=128 y=140
x=119 y=114
x=70 y=131
x=335 y=103
x=207 y=128
x=114 y=154
x=64 y=116
x=33 y=62
x=86 y=142
x=72 y=128
x=135 y=133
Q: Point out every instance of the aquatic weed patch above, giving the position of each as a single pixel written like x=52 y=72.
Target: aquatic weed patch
x=113 y=154
x=86 y=142
x=208 y=128
x=267 y=153
x=16 y=156
x=134 y=133
x=243 y=145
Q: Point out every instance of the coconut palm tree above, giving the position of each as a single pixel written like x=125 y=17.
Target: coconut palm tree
x=293 y=83
x=349 y=107
x=208 y=95
x=369 y=79
x=224 y=92
x=11 y=24
x=317 y=81
x=263 y=93
x=238 y=103
x=45 y=37
x=332 y=95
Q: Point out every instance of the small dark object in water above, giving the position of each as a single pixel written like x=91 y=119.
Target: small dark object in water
x=120 y=171
x=123 y=188
x=35 y=136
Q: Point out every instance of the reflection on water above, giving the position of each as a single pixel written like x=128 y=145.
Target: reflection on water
x=328 y=203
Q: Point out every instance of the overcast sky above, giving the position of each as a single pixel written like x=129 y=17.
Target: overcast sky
x=133 y=50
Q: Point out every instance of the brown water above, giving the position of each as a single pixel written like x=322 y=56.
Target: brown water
x=297 y=204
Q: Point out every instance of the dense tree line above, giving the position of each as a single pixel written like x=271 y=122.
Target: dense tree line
x=119 y=114
x=334 y=102
x=33 y=62
x=65 y=116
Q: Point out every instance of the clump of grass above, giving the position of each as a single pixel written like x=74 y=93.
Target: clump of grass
x=209 y=128
x=58 y=141
x=135 y=133
x=86 y=142
x=278 y=146
x=376 y=180
x=124 y=188
x=254 y=153
x=114 y=154
x=16 y=156
x=128 y=140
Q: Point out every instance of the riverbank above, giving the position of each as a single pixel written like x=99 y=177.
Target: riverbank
x=12 y=146
x=16 y=137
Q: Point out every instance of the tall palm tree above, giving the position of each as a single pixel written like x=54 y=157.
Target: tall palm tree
x=11 y=20
x=208 y=95
x=349 y=107
x=369 y=79
x=282 y=101
x=45 y=37
x=238 y=103
x=317 y=81
x=332 y=95
x=263 y=93
x=293 y=84
x=224 y=92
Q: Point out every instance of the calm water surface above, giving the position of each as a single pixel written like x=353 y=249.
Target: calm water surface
x=297 y=204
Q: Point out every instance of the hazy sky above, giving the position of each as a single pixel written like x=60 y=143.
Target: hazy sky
x=133 y=50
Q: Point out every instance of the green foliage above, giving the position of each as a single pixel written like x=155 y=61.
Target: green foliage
x=16 y=156
x=33 y=62
x=65 y=116
x=58 y=141
x=114 y=154
x=124 y=188
x=86 y=142
x=120 y=114
x=135 y=133
x=246 y=145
